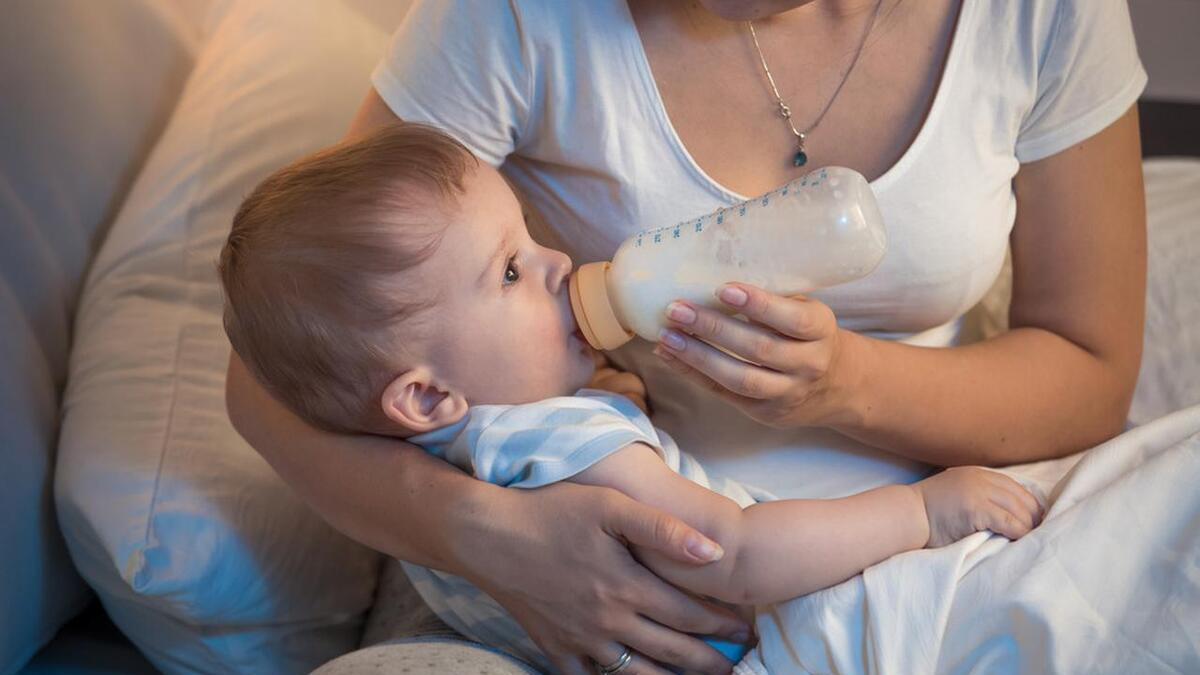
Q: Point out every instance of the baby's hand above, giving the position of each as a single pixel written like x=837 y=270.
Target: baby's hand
x=618 y=382
x=967 y=499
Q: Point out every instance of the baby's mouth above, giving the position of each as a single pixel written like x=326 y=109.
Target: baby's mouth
x=577 y=333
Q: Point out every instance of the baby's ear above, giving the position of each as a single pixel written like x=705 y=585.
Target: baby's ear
x=414 y=401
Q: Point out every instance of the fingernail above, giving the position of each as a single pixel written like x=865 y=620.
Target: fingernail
x=663 y=354
x=705 y=550
x=680 y=312
x=671 y=339
x=733 y=295
x=741 y=635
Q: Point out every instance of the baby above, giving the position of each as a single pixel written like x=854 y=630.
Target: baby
x=389 y=286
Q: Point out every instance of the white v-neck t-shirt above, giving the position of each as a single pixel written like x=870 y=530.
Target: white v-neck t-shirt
x=559 y=95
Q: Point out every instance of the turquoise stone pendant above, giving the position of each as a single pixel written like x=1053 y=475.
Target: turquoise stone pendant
x=799 y=159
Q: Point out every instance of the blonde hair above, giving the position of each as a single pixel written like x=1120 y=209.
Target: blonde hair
x=314 y=269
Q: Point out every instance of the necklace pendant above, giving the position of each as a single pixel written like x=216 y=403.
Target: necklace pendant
x=801 y=157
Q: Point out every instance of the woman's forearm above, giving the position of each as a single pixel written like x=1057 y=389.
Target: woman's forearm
x=1062 y=380
x=1023 y=395
x=382 y=492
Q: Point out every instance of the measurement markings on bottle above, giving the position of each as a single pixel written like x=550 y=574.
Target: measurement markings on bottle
x=655 y=236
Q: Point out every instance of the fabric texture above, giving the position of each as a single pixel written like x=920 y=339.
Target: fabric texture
x=200 y=553
x=1105 y=584
x=1169 y=378
x=560 y=96
x=425 y=655
x=528 y=446
x=86 y=90
x=536 y=444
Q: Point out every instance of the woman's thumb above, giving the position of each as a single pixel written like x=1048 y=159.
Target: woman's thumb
x=663 y=533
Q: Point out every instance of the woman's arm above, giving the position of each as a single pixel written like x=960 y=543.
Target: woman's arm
x=1061 y=380
x=556 y=557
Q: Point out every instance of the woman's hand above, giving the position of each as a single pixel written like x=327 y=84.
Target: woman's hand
x=796 y=366
x=557 y=559
x=620 y=382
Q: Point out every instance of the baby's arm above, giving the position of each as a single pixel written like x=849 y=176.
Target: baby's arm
x=773 y=550
x=779 y=550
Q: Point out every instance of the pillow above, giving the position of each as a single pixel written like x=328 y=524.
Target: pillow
x=1169 y=378
x=86 y=91
x=198 y=550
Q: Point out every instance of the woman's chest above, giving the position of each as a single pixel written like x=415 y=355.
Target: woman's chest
x=946 y=196
x=717 y=96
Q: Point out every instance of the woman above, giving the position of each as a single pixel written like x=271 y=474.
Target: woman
x=980 y=124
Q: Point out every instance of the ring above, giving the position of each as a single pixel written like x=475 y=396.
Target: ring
x=616 y=666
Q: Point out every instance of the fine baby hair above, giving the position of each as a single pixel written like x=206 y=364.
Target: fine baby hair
x=320 y=295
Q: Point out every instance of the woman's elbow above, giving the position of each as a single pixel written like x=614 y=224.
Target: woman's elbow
x=1114 y=397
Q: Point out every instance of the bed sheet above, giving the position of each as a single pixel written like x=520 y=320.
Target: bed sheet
x=1108 y=583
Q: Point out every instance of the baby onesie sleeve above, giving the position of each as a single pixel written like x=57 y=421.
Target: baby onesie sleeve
x=463 y=66
x=536 y=444
x=1088 y=75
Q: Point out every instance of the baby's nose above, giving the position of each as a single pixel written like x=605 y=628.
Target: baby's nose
x=560 y=271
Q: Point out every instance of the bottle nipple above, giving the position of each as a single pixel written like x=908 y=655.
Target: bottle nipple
x=597 y=319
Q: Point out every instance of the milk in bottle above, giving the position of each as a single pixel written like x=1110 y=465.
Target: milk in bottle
x=819 y=230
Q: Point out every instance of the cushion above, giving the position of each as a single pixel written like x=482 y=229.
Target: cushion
x=86 y=91
x=426 y=655
x=1169 y=378
x=198 y=550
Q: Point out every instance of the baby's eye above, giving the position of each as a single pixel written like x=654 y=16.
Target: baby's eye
x=512 y=273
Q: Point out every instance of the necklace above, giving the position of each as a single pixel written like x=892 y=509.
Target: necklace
x=801 y=157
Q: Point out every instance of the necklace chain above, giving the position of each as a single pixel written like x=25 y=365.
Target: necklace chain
x=800 y=158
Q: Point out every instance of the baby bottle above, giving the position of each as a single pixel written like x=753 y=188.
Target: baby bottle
x=819 y=230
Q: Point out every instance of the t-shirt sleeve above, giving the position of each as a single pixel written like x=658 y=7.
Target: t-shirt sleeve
x=1088 y=75
x=528 y=446
x=461 y=65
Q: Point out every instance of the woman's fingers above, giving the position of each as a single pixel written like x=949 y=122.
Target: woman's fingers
x=753 y=342
x=678 y=650
x=638 y=664
x=800 y=317
x=668 y=606
x=572 y=665
x=651 y=528
x=739 y=377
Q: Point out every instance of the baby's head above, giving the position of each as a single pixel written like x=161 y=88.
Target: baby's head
x=385 y=284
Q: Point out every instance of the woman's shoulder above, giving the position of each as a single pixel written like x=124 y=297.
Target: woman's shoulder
x=1070 y=67
x=1036 y=25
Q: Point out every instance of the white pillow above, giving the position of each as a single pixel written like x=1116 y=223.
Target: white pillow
x=86 y=90
x=200 y=553
x=1169 y=378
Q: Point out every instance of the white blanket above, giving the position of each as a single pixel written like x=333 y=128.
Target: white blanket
x=1108 y=583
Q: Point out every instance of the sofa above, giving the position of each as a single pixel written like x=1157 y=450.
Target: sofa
x=143 y=534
